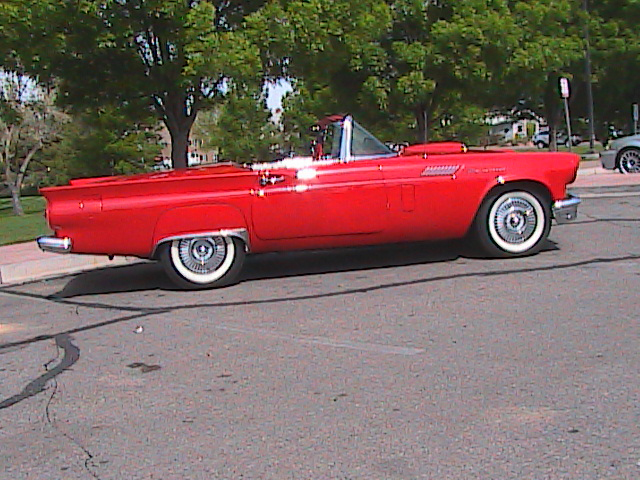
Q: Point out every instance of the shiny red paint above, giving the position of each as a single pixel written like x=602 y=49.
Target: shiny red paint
x=428 y=192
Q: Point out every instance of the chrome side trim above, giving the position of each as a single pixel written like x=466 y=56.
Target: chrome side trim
x=566 y=210
x=54 y=244
x=240 y=233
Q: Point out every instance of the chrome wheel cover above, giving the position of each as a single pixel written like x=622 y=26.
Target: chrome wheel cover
x=516 y=222
x=202 y=259
x=630 y=161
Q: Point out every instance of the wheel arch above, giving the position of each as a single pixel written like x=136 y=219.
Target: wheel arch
x=200 y=221
x=527 y=185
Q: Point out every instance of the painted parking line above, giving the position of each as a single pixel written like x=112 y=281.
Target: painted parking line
x=325 y=341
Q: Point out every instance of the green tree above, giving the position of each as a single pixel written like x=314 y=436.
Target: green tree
x=330 y=51
x=28 y=118
x=167 y=56
x=615 y=42
x=397 y=64
x=550 y=45
x=28 y=122
x=102 y=143
x=239 y=130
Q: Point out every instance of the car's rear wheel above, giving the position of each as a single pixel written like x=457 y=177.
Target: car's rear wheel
x=203 y=262
x=629 y=160
x=513 y=223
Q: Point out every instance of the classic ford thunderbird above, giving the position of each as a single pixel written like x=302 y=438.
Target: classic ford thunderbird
x=353 y=190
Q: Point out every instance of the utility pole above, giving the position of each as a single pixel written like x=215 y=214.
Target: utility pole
x=587 y=68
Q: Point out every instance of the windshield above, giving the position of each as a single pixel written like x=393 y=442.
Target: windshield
x=365 y=144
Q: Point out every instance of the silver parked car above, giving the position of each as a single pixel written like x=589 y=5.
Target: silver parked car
x=623 y=154
x=541 y=139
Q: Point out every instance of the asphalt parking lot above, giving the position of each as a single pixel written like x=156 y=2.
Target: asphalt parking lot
x=396 y=362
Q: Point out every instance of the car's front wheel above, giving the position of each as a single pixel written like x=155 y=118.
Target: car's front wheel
x=629 y=160
x=203 y=262
x=513 y=223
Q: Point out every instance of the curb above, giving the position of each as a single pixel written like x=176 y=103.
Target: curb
x=58 y=265
x=593 y=171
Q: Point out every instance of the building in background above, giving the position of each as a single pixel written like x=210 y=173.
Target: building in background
x=196 y=153
x=504 y=129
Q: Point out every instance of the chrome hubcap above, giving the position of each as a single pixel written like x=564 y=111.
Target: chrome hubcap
x=202 y=255
x=515 y=220
x=630 y=161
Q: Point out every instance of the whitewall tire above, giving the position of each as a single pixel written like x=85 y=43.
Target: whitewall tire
x=513 y=223
x=202 y=262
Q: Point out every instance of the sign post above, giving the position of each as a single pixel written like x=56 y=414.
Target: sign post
x=635 y=118
x=564 y=93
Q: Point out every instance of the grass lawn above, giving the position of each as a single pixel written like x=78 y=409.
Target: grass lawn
x=22 y=229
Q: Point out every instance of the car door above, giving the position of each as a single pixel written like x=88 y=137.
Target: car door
x=428 y=196
x=326 y=198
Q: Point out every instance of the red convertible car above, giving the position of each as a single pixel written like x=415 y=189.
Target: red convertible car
x=354 y=190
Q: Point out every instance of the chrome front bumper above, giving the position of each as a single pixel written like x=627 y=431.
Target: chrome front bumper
x=54 y=244
x=566 y=210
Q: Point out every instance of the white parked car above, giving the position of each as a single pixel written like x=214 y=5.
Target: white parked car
x=541 y=139
x=623 y=154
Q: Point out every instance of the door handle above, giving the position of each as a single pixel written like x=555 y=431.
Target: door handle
x=270 y=179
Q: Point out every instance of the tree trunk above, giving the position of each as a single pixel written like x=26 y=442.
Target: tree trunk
x=15 y=200
x=179 y=146
x=422 y=116
x=15 y=183
x=178 y=118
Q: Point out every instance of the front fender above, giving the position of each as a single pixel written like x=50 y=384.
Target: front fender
x=199 y=220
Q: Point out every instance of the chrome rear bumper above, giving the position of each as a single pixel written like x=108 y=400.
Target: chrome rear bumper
x=566 y=210
x=54 y=244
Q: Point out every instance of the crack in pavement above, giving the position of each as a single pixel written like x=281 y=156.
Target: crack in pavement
x=87 y=453
x=71 y=356
x=145 y=312
x=47 y=410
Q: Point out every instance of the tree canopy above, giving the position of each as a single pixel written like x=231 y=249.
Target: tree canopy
x=167 y=56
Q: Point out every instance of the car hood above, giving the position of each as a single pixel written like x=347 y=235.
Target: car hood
x=624 y=141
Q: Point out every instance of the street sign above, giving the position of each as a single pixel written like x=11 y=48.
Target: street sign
x=564 y=87
x=635 y=112
x=564 y=93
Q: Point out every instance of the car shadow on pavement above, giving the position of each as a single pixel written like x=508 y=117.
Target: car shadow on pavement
x=151 y=276
x=128 y=278
x=313 y=262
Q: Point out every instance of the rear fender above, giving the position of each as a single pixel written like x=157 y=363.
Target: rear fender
x=200 y=221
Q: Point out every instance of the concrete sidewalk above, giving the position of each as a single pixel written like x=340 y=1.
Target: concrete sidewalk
x=591 y=174
x=25 y=262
